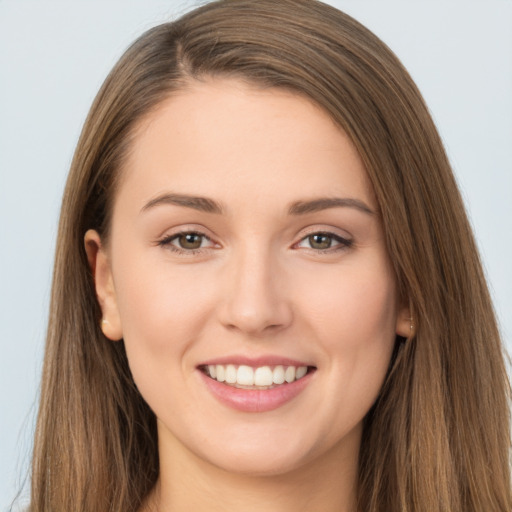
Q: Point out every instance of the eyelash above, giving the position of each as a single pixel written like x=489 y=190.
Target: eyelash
x=342 y=243
x=167 y=242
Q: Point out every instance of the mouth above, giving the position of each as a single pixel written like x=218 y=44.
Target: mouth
x=255 y=378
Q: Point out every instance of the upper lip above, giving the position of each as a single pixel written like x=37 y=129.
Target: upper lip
x=255 y=362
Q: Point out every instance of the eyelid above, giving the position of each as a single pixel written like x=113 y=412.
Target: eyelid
x=165 y=241
x=175 y=236
x=343 y=242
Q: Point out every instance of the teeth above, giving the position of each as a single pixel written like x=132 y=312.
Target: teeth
x=221 y=373
x=289 y=374
x=300 y=372
x=278 y=375
x=263 y=376
x=245 y=376
x=230 y=374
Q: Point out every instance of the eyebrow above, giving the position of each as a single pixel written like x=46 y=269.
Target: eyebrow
x=202 y=204
x=315 y=205
x=207 y=205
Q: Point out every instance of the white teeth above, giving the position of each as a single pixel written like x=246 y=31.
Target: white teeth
x=278 y=375
x=230 y=374
x=245 y=376
x=301 y=371
x=221 y=373
x=262 y=377
x=289 y=374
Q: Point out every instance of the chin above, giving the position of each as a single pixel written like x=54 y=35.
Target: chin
x=261 y=464
x=272 y=453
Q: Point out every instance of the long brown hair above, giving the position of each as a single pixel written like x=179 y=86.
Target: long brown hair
x=438 y=437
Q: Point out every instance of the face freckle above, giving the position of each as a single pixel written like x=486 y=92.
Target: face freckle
x=245 y=234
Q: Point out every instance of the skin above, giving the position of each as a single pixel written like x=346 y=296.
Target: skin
x=259 y=286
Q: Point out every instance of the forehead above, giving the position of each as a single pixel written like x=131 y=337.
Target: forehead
x=223 y=136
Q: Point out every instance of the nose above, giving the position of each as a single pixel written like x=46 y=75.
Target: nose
x=254 y=299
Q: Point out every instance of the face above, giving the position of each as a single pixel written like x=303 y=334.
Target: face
x=247 y=273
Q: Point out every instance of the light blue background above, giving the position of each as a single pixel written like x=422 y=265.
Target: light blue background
x=53 y=58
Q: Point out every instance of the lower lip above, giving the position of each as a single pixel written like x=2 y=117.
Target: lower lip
x=255 y=400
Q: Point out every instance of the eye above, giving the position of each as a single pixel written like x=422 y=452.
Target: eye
x=189 y=240
x=186 y=241
x=323 y=241
x=320 y=241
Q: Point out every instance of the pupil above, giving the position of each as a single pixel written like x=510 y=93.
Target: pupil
x=320 y=241
x=190 y=241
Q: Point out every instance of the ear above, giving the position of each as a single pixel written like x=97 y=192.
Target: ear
x=404 y=321
x=104 y=284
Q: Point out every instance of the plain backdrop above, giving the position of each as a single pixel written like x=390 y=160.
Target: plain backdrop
x=55 y=55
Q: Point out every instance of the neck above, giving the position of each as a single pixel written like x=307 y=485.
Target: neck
x=187 y=482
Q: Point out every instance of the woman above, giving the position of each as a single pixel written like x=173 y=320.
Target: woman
x=258 y=295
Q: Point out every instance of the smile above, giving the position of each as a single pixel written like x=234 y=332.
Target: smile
x=257 y=387
x=261 y=377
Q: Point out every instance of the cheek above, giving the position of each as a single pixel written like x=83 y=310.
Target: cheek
x=354 y=322
x=162 y=314
x=358 y=310
x=154 y=293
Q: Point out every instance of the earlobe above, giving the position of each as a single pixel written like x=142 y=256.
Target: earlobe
x=405 y=322
x=99 y=263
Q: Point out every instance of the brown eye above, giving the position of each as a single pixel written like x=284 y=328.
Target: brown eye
x=187 y=243
x=324 y=242
x=320 y=241
x=190 y=240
